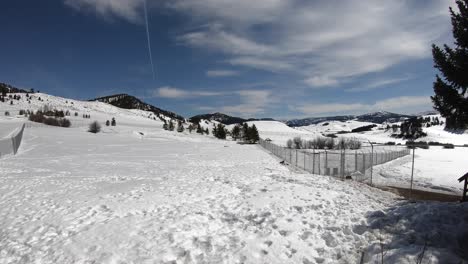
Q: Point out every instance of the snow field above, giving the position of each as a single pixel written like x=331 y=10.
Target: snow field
x=138 y=194
x=435 y=169
x=144 y=195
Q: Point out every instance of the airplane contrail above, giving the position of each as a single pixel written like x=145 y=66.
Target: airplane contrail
x=149 y=41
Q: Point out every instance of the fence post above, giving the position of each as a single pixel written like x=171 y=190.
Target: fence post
x=320 y=153
x=326 y=162
x=355 y=161
x=343 y=163
x=372 y=162
x=412 y=172
x=296 y=158
x=313 y=162
x=364 y=163
x=304 y=155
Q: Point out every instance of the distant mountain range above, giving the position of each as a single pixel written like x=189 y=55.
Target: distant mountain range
x=131 y=102
x=382 y=117
x=316 y=120
x=376 y=117
x=220 y=117
x=225 y=119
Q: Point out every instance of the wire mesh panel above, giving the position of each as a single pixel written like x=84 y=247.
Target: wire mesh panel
x=11 y=145
x=338 y=163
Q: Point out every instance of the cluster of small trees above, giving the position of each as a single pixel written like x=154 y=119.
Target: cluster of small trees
x=111 y=123
x=86 y=116
x=180 y=127
x=324 y=143
x=220 y=131
x=168 y=126
x=246 y=133
x=363 y=128
x=434 y=121
x=412 y=129
x=202 y=131
x=171 y=126
x=11 y=97
x=24 y=112
x=40 y=117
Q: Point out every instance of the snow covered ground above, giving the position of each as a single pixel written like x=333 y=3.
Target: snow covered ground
x=138 y=194
x=135 y=193
x=435 y=169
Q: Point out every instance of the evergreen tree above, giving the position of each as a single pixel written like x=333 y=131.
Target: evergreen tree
x=207 y=131
x=190 y=128
x=94 y=127
x=236 y=131
x=165 y=126
x=171 y=126
x=412 y=129
x=107 y=123
x=180 y=127
x=113 y=123
x=199 y=129
x=253 y=134
x=451 y=97
x=219 y=131
x=245 y=132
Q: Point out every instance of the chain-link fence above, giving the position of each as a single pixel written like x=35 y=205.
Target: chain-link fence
x=343 y=163
x=10 y=145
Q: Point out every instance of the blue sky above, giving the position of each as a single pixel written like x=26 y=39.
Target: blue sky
x=263 y=58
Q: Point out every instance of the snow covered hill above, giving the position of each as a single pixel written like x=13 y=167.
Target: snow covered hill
x=375 y=117
x=131 y=102
x=218 y=117
x=97 y=110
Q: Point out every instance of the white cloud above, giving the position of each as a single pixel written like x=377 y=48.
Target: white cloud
x=261 y=63
x=170 y=92
x=327 y=42
x=126 y=9
x=407 y=104
x=324 y=42
x=321 y=81
x=176 y=93
x=221 y=73
x=377 y=84
x=218 y=39
x=402 y=102
x=253 y=102
x=330 y=108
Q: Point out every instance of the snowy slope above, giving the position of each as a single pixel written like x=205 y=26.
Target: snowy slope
x=331 y=127
x=277 y=131
x=435 y=169
x=99 y=111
